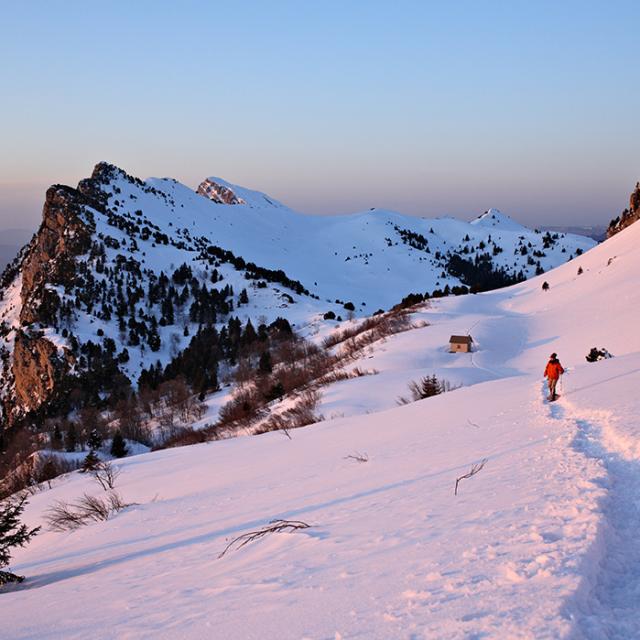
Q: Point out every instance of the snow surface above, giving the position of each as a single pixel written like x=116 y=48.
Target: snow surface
x=542 y=543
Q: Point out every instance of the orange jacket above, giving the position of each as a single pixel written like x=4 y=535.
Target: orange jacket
x=553 y=370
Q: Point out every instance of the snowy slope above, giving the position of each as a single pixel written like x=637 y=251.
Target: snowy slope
x=142 y=232
x=540 y=544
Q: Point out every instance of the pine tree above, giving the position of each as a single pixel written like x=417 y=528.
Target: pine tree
x=118 y=446
x=545 y=286
x=56 y=438
x=90 y=462
x=94 y=441
x=12 y=534
x=71 y=438
x=264 y=365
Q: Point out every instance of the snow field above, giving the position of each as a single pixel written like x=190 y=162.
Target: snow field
x=539 y=544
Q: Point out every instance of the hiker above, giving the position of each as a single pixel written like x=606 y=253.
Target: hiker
x=552 y=372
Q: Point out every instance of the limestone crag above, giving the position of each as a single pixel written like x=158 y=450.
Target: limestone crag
x=63 y=235
x=628 y=216
x=218 y=193
x=37 y=368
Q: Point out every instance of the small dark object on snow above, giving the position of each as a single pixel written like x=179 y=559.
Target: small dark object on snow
x=545 y=286
x=597 y=354
x=357 y=457
x=275 y=526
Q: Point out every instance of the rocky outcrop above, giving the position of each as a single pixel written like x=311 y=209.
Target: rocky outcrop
x=628 y=216
x=63 y=235
x=218 y=193
x=37 y=367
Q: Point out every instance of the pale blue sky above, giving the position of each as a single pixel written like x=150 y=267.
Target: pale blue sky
x=430 y=108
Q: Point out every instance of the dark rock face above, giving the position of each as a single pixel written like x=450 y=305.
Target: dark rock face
x=62 y=235
x=628 y=216
x=65 y=233
x=37 y=367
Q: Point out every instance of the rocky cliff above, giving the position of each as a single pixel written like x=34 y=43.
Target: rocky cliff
x=628 y=216
x=37 y=364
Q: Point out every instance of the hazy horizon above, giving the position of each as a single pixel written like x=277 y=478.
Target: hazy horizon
x=425 y=109
x=26 y=213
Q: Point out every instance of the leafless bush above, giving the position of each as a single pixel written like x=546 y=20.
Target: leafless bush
x=341 y=374
x=106 y=475
x=241 y=407
x=63 y=516
x=275 y=526
x=186 y=436
x=301 y=414
x=130 y=421
x=370 y=330
x=36 y=470
x=476 y=468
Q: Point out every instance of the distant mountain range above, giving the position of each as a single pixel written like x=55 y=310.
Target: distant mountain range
x=123 y=273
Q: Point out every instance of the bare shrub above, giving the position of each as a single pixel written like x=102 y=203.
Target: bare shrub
x=341 y=374
x=184 y=437
x=106 y=475
x=241 y=407
x=301 y=414
x=130 y=422
x=370 y=330
x=63 y=516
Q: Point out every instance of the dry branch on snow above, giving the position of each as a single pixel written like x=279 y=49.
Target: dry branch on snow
x=275 y=526
x=476 y=468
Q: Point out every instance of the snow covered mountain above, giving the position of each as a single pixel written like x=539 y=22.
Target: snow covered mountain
x=539 y=543
x=123 y=273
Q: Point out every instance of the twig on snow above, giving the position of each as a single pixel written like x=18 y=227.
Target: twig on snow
x=476 y=468
x=274 y=526
x=358 y=457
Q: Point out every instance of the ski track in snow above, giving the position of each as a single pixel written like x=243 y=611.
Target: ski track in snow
x=606 y=605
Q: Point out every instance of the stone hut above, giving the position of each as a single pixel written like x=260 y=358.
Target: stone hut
x=460 y=343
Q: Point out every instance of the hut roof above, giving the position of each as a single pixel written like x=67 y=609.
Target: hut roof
x=460 y=339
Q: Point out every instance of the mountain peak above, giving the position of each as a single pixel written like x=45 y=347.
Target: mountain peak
x=222 y=192
x=495 y=218
x=213 y=189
